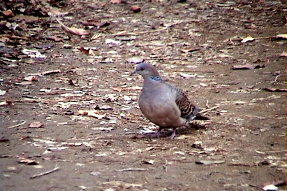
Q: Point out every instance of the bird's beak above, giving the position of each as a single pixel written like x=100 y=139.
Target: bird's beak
x=134 y=72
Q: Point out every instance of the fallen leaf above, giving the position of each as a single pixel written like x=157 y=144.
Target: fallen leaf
x=197 y=145
x=189 y=50
x=96 y=24
x=4 y=139
x=2 y=92
x=148 y=161
x=135 y=60
x=76 y=31
x=24 y=83
x=103 y=107
x=8 y=13
x=91 y=113
x=135 y=8
x=36 y=124
x=185 y=75
x=73 y=30
x=86 y=51
x=118 y=1
x=5 y=103
x=33 y=53
x=57 y=12
x=280 y=37
x=209 y=162
x=31 y=78
x=49 y=72
x=131 y=169
x=27 y=161
x=270 y=187
x=122 y=185
x=283 y=54
x=275 y=90
x=247 y=39
x=95 y=173
x=112 y=42
x=247 y=67
x=54 y=38
x=108 y=129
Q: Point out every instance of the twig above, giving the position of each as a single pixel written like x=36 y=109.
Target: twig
x=165 y=166
x=206 y=110
x=276 y=78
x=131 y=169
x=45 y=173
x=206 y=104
x=17 y=125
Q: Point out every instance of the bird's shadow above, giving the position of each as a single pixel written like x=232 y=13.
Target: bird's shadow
x=190 y=129
x=165 y=133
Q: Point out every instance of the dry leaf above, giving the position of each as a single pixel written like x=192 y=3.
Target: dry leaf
x=189 y=50
x=280 y=37
x=36 y=124
x=283 y=54
x=118 y=1
x=135 y=8
x=248 y=39
x=73 y=30
x=91 y=113
x=86 y=51
x=135 y=60
x=76 y=31
x=5 y=103
x=209 y=162
x=51 y=72
x=185 y=75
x=247 y=67
x=2 y=92
x=31 y=78
x=270 y=187
x=27 y=161
x=8 y=13
x=275 y=89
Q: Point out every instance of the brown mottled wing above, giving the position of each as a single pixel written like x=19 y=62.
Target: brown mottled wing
x=187 y=108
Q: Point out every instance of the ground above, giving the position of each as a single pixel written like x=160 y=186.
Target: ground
x=73 y=112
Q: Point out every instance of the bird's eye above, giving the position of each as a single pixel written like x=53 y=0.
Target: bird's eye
x=141 y=69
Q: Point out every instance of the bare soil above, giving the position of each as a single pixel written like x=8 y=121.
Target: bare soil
x=195 y=45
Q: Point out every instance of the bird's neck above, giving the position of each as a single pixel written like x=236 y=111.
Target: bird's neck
x=152 y=78
x=152 y=81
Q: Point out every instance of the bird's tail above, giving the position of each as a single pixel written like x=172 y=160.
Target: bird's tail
x=201 y=117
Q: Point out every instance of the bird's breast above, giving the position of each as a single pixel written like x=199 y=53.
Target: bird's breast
x=158 y=105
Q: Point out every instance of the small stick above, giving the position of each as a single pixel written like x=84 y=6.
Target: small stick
x=17 y=125
x=206 y=110
x=276 y=78
x=165 y=166
x=131 y=169
x=45 y=173
x=207 y=106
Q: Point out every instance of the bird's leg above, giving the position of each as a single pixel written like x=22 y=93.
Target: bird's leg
x=157 y=134
x=173 y=133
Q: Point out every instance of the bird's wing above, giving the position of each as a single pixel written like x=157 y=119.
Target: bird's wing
x=188 y=109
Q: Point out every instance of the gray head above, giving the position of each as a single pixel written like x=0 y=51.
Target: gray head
x=145 y=70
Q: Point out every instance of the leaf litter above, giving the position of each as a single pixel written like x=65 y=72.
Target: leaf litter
x=104 y=92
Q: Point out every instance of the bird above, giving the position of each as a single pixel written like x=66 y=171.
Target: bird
x=162 y=103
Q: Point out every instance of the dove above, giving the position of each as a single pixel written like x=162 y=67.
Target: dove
x=161 y=103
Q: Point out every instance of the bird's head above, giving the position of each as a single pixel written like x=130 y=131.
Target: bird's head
x=145 y=70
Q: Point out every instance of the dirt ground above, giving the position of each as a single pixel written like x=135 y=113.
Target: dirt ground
x=69 y=112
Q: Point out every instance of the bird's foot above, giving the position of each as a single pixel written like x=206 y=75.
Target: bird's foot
x=158 y=134
x=173 y=134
